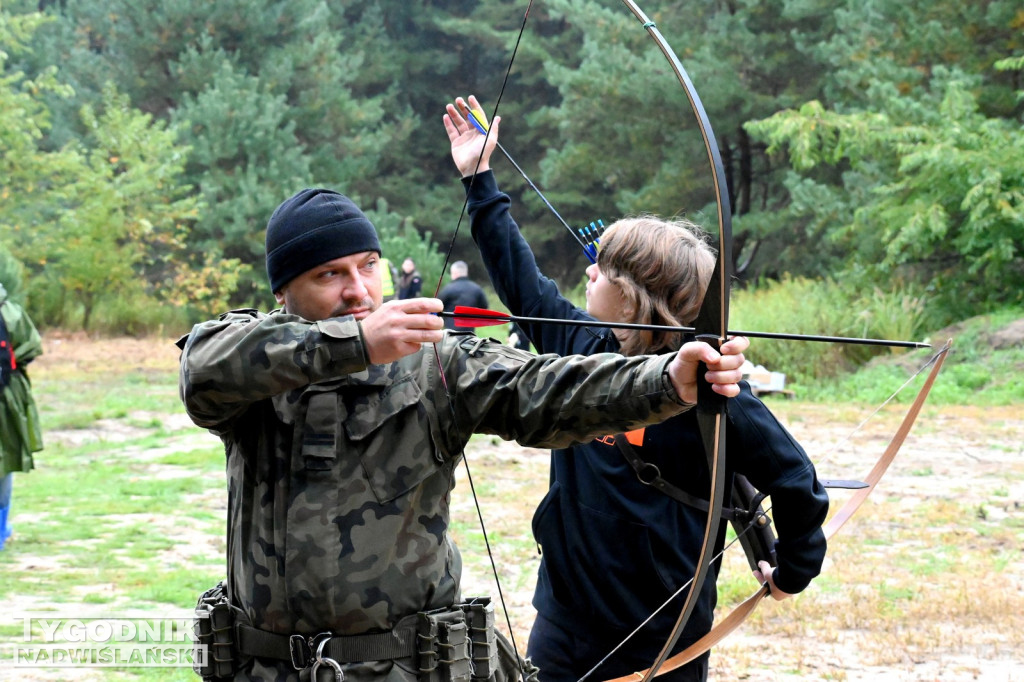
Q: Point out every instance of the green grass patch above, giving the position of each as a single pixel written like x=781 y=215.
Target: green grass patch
x=105 y=396
x=196 y=459
x=179 y=586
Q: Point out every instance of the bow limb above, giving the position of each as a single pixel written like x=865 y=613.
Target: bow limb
x=882 y=465
x=738 y=615
x=711 y=325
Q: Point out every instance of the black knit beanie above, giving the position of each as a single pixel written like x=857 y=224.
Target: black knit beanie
x=313 y=227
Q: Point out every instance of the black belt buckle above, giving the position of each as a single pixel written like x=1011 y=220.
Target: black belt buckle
x=301 y=652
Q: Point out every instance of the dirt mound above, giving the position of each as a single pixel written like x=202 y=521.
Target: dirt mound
x=1003 y=338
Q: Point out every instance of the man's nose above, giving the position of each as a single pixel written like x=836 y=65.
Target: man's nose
x=354 y=289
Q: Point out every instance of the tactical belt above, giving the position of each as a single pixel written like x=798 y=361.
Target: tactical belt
x=303 y=650
x=457 y=643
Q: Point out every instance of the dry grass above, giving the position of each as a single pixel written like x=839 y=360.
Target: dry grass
x=919 y=585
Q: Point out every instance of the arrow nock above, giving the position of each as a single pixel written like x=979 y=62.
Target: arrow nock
x=590 y=239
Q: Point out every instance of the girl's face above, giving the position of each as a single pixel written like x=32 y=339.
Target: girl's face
x=605 y=301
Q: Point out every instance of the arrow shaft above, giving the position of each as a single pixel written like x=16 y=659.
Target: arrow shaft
x=500 y=318
x=478 y=123
x=544 y=199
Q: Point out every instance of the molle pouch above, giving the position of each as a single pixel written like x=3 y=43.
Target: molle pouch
x=214 y=654
x=442 y=645
x=483 y=648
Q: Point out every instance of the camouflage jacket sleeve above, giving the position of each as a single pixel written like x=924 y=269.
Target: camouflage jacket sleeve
x=245 y=356
x=553 y=402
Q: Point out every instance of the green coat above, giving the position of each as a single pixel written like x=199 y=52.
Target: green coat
x=20 y=434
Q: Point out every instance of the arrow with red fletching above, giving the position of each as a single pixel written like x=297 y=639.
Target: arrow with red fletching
x=466 y=316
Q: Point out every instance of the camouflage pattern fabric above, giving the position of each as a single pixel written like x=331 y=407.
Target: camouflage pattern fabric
x=339 y=472
x=21 y=434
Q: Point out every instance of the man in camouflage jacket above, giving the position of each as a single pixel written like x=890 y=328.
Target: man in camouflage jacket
x=343 y=429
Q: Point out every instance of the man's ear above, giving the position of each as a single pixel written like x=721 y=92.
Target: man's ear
x=279 y=297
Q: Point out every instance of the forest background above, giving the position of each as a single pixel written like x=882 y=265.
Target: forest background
x=874 y=150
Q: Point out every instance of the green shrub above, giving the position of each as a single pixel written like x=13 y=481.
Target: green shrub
x=794 y=306
x=140 y=315
x=823 y=307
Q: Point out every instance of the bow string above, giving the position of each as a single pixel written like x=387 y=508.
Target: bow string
x=444 y=381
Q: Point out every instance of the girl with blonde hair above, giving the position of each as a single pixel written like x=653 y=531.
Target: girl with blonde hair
x=614 y=549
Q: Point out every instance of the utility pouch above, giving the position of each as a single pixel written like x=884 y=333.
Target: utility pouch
x=511 y=666
x=483 y=650
x=214 y=653
x=461 y=644
x=442 y=646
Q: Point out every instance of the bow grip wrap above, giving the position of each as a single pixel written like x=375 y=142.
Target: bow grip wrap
x=752 y=525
